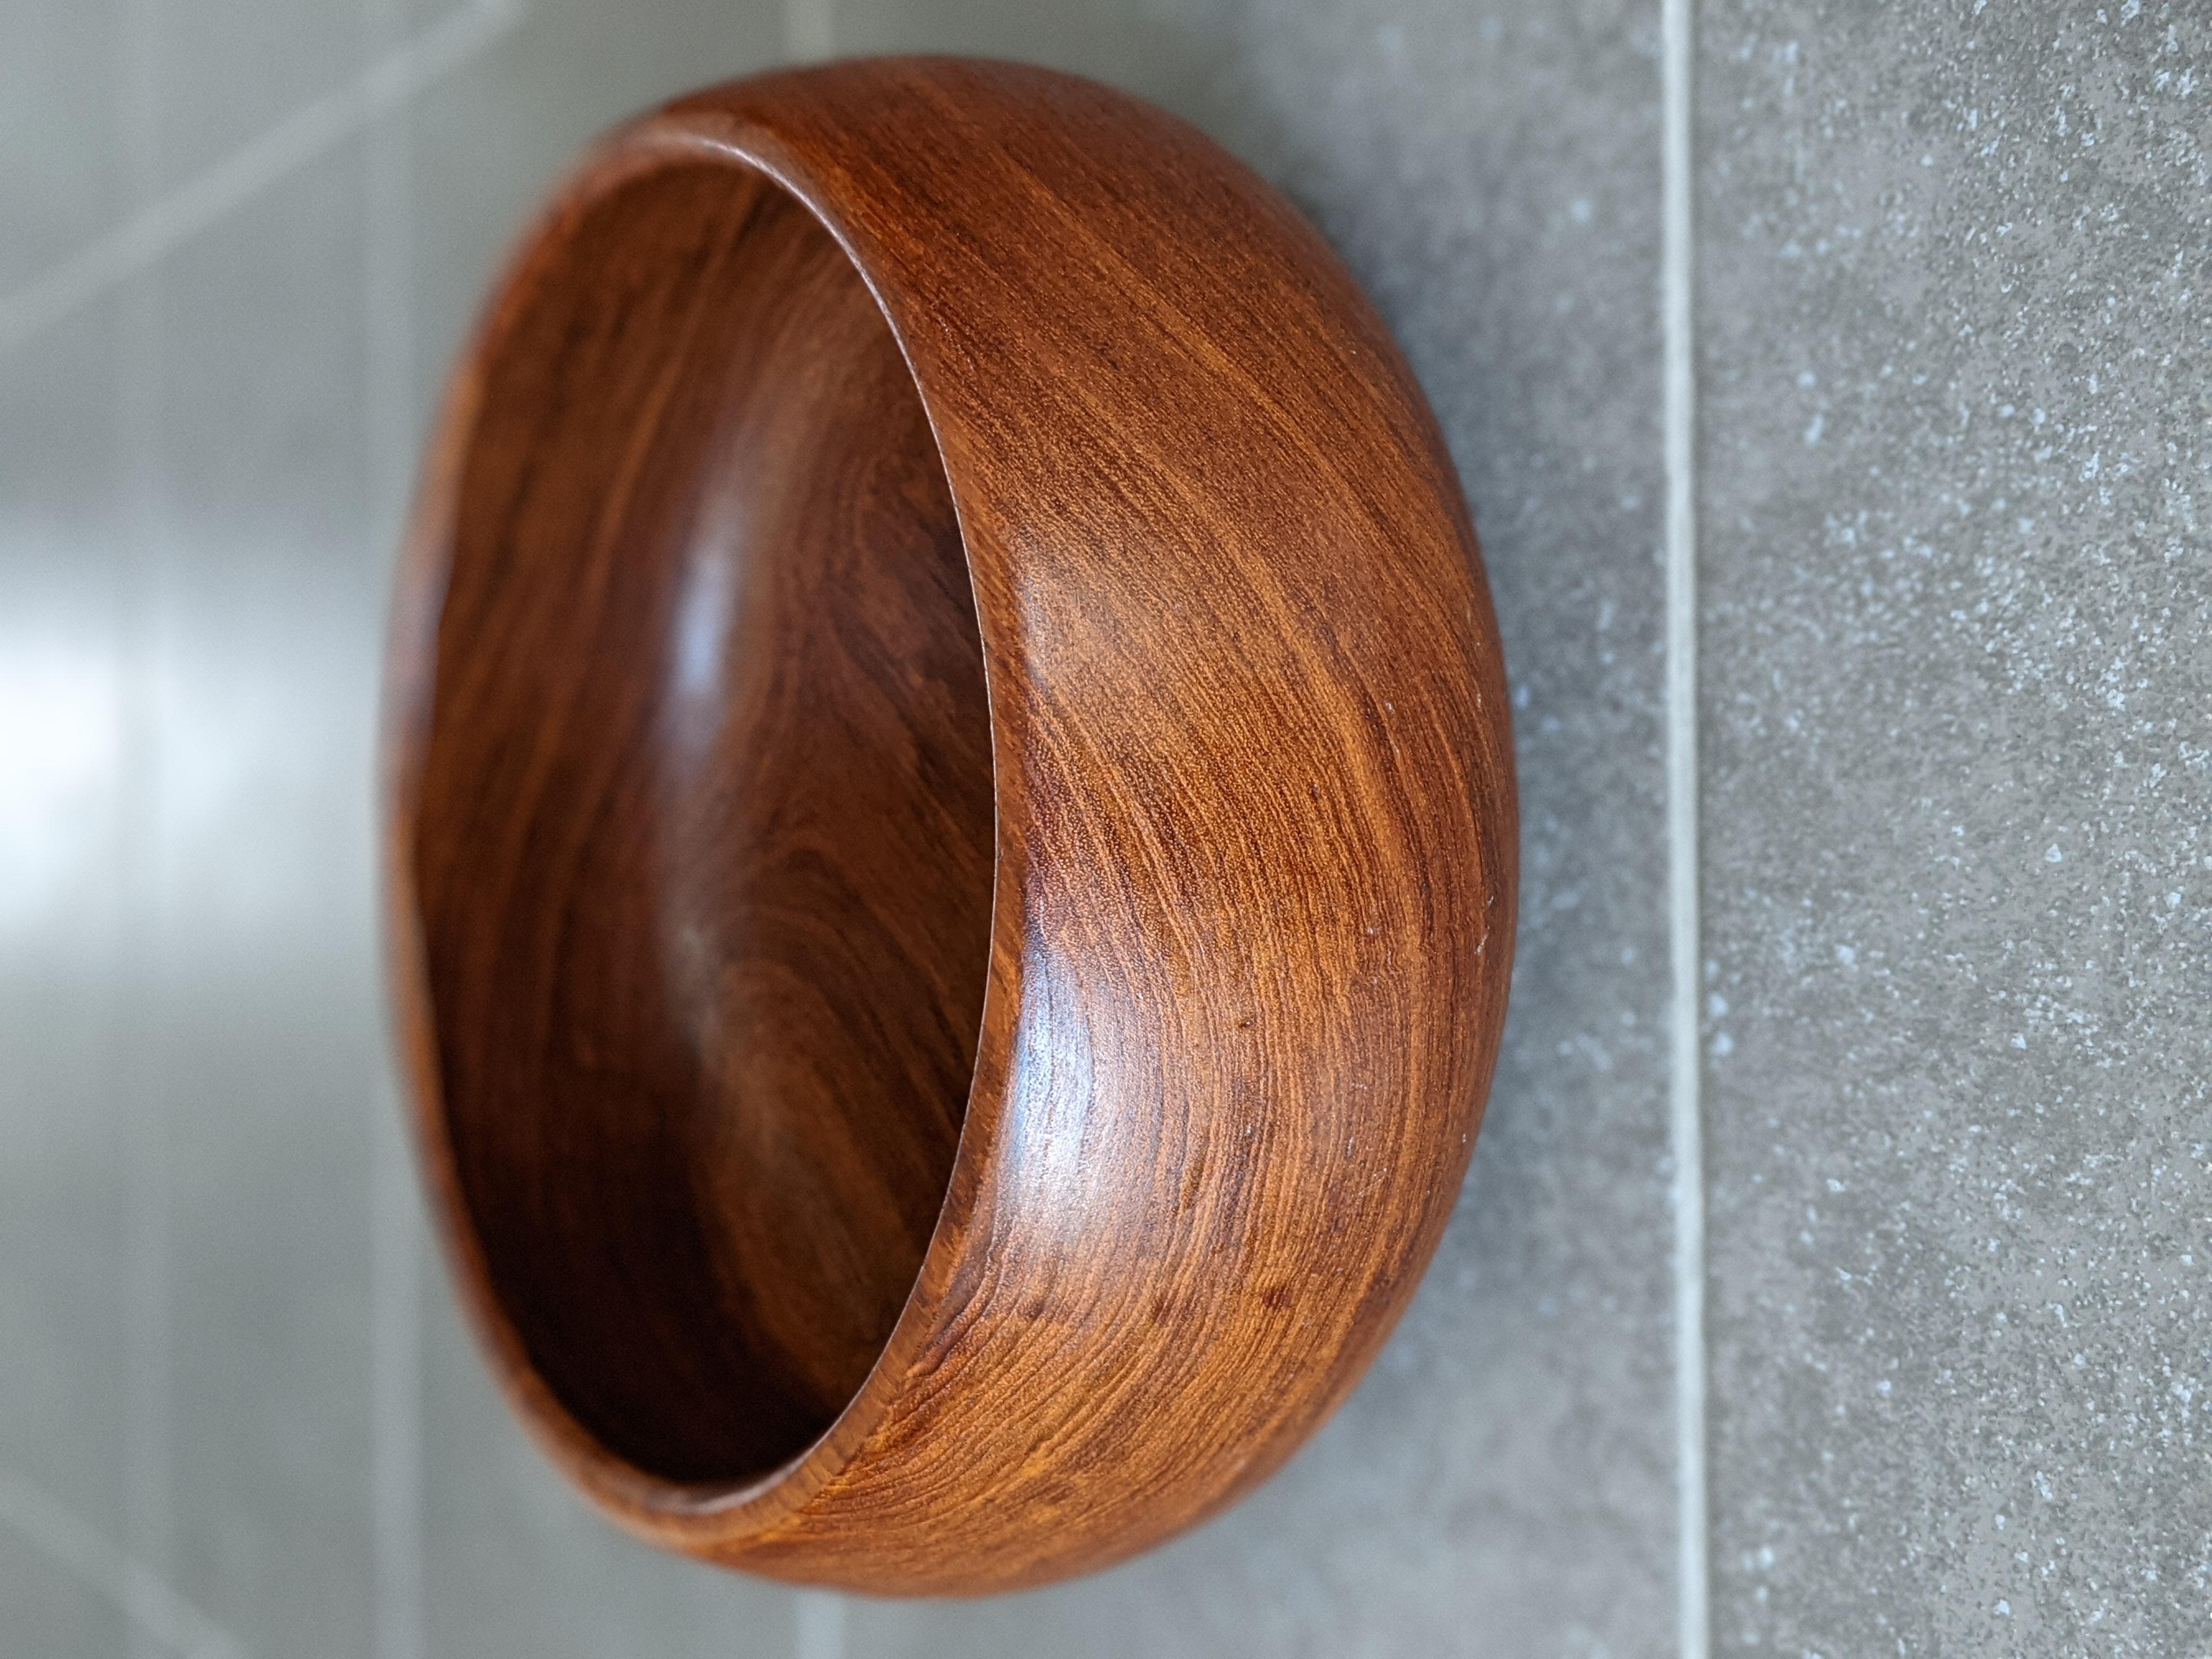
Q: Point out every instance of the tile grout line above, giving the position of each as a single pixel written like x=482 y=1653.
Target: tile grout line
x=387 y=323
x=1685 y=1113
x=156 y=225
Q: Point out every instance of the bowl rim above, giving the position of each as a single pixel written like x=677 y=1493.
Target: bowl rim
x=685 y=1514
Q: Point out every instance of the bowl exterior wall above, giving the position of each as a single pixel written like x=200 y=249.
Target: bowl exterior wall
x=1254 y=911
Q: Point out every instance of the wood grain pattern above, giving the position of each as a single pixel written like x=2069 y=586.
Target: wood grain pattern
x=950 y=829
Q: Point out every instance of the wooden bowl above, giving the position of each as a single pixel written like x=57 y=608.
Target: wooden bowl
x=951 y=827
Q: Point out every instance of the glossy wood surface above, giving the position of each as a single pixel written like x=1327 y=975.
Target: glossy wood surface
x=893 y=1133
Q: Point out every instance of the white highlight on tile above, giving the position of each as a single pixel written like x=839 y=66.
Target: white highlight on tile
x=810 y=30
x=154 y=1608
x=1686 y=1116
x=311 y=132
x=61 y=722
x=820 y=1619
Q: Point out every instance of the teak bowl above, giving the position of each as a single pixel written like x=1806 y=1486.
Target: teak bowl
x=951 y=824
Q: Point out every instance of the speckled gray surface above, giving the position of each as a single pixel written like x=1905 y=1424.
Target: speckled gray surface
x=1956 y=728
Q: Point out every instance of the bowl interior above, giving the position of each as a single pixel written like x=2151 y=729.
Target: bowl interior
x=703 y=850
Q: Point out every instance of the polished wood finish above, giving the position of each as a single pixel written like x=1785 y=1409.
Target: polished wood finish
x=951 y=838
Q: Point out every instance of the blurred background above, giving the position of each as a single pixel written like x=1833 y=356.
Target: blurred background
x=1953 y=704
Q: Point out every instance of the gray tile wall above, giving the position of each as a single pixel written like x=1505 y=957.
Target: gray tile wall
x=1955 y=712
